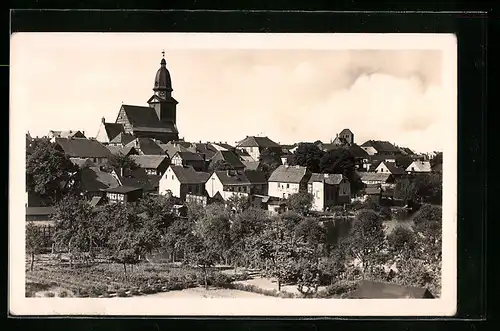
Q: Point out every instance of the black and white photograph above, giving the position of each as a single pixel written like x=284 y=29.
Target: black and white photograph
x=232 y=174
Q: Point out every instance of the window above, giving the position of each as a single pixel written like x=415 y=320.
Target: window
x=287 y=185
x=172 y=177
x=412 y=168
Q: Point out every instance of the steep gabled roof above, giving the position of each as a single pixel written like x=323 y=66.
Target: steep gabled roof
x=251 y=165
x=93 y=179
x=261 y=142
x=190 y=156
x=420 y=166
x=332 y=179
x=113 y=130
x=357 y=151
x=149 y=161
x=231 y=158
x=207 y=149
x=125 y=150
x=82 y=147
x=122 y=138
x=374 y=176
x=289 y=174
x=395 y=170
x=187 y=175
x=231 y=177
x=145 y=119
x=147 y=146
x=255 y=176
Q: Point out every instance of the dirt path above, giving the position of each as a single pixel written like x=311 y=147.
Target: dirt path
x=199 y=292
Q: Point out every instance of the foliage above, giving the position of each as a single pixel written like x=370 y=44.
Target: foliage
x=238 y=203
x=269 y=160
x=438 y=159
x=220 y=165
x=308 y=155
x=34 y=242
x=120 y=162
x=50 y=174
x=309 y=230
x=341 y=161
x=405 y=190
x=337 y=289
x=429 y=187
x=403 y=161
x=300 y=202
x=402 y=239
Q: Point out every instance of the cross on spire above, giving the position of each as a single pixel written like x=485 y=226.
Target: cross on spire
x=163 y=53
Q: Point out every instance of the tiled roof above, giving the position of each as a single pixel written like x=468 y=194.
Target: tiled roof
x=395 y=170
x=95 y=201
x=381 y=146
x=83 y=148
x=123 y=189
x=39 y=211
x=256 y=176
x=230 y=177
x=373 y=190
x=374 y=176
x=147 y=146
x=145 y=119
x=137 y=178
x=81 y=162
x=289 y=174
x=207 y=149
x=381 y=290
x=93 y=179
x=149 y=161
x=332 y=179
x=187 y=175
x=261 y=142
x=252 y=165
x=231 y=158
x=113 y=130
x=68 y=134
x=190 y=156
x=125 y=150
x=357 y=151
x=420 y=166
x=122 y=138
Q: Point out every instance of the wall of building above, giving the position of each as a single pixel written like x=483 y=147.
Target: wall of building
x=282 y=190
x=169 y=181
x=213 y=185
x=317 y=189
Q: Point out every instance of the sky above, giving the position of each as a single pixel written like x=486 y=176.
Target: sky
x=228 y=90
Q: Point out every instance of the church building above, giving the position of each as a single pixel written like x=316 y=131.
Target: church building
x=156 y=121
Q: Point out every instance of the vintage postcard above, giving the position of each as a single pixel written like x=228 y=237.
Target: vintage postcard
x=233 y=174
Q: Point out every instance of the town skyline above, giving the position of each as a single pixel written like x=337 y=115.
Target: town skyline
x=227 y=94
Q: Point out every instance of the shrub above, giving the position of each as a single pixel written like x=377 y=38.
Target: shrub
x=63 y=294
x=49 y=294
x=134 y=291
x=337 y=289
x=97 y=290
x=121 y=293
x=385 y=213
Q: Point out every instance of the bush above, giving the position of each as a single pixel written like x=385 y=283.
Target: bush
x=97 y=290
x=50 y=294
x=121 y=293
x=63 y=294
x=134 y=291
x=338 y=289
x=385 y=213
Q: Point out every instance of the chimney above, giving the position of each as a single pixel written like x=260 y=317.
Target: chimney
x=121 y=171
x=103 y=120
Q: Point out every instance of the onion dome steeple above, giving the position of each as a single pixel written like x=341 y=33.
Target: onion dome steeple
x=163 y=82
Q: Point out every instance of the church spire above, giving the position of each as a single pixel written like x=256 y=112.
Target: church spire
x=163 y=63
x=163 y=83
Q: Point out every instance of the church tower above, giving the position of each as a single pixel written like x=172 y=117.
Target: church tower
x=162 y=101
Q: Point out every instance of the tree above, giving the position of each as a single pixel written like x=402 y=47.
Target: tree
x=402 y=239
x=300 y=202
x=75 y=229
x=366 y=241
x=50 y=174
x=238 y=203
x=269 y=159
x=405 y=190
x=429 y=187
x=438 y=159
x=403 y=161
x=220 y=165
x=201 y=253
x=34 y=242
x=121 y=163
x=341 y=161
x=214 y=229
x=308 y=155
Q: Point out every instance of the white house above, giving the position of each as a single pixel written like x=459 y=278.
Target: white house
x=255 y=145
x=287 y=180
x=236 y=182
x=390 y=168
x=180 y=181
x=419 y=167
x=382 y=178
x=329 y=190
